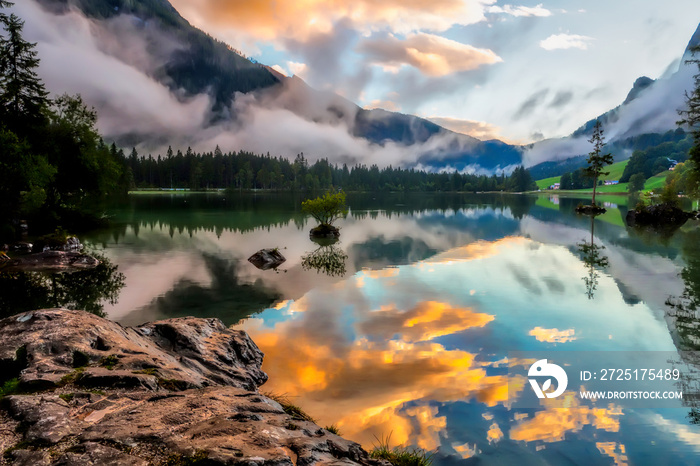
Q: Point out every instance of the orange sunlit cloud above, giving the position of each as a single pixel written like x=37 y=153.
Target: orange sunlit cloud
x=431 y=54
x=552 y=424
x=553 y=335
x=272 y=19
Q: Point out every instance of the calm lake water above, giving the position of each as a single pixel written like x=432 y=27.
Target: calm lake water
x=404 y=326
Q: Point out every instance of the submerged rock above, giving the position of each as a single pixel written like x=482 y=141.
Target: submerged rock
x=52 y=261
x=54 y=243
x=178 y=391
x=266 y=259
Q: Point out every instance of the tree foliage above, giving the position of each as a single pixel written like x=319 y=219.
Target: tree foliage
x=52 y=159
x=596 y=159
x=22 y=94
x=690 y=117
x=326 y=209
x=636 y=183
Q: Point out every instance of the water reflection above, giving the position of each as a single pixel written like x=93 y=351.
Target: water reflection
x=592 y=256
x=328 y=258
x=88 y=290
x=412 y=336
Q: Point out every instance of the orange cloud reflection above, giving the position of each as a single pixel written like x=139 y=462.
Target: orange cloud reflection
x=553 y=335
x=564 y=415
x=388 y=378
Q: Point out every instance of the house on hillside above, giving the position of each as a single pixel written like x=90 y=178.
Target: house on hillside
x=554 y=186
x=611 y=182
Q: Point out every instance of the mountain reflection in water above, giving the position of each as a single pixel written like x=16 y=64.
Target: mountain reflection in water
x=412 y=339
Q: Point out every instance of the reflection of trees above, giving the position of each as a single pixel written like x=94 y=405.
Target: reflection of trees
x=226 y=298
x=592 y=256
x=86 y=290
x=327 y=258
x=683 y=312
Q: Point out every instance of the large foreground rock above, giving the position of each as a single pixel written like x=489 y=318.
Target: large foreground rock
x=179 y=391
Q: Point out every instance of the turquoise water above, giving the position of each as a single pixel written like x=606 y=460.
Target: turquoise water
x=404 y=327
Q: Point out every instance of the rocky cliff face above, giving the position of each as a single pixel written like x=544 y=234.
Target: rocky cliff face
x=87 y=391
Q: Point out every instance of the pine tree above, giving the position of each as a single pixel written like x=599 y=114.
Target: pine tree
x=690 y=117
x=22 y=94
x=596 y=159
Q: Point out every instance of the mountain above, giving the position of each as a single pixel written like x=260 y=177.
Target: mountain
x=649 y=111
x=215 y=95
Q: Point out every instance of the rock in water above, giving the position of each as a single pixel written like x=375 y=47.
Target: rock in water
x=52 y=261
x=266 y=259
x=659 y=215
x=178 y=391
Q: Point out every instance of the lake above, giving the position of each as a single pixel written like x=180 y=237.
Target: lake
x=402 y=329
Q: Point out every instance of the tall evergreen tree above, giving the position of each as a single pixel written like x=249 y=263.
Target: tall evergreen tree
x=22 y=94
x=690 y=117
x=596 y=159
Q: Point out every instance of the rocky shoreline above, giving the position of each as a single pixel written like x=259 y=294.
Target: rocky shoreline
x=83 y=390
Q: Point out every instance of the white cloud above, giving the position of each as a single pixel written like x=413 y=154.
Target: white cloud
x=565 y=41
x=279 y=69
x=299 y=69
x=537 y=10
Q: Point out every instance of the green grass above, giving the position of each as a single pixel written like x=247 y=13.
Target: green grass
x=290 y=408
x=615 y=170
x=109 y=362
x=545 y=183
x=400 y=456
x=10 y=387
x=333 y=429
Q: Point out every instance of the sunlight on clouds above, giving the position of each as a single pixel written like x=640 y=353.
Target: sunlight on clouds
x=371 y=378
x=565 y=41
x=433 y=55
x=614 y=450
x=466 y=450
x=494 y=434
x=384 y=104
x=476 y=129
x=269 y=19
x=553 y=335
x=477 y=250
x=552 y=424
x=425 y=321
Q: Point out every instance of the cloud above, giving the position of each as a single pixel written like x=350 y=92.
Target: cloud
x=565 y=41
x=561 y=98
x=431 y=54
x=537 y=10
x=273 y=20
x=426 y=321
x=530 y=104
x=384 y=104
x=133 y=106
x=553 y=423
x=477 y=129
x=553 y=335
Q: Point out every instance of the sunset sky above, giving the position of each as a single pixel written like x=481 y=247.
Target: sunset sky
x=519 y=71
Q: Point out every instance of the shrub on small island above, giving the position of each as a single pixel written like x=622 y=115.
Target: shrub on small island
x=325 y=210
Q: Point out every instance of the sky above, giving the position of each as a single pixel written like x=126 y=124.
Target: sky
x=519 y=72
